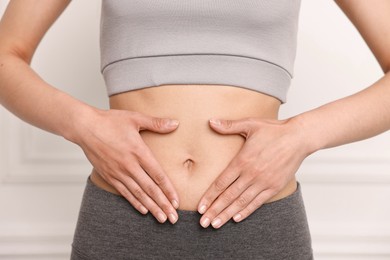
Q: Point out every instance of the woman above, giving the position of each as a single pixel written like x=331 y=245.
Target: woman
x=172 y=69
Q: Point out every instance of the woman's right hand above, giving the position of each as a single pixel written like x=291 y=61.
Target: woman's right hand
x=110 y=139
x=112 y=143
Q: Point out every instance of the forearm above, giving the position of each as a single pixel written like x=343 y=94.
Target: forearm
x=350 y=119
x=26 y=95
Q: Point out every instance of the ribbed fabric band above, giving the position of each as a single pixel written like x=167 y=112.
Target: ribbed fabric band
x=236 y=71
x=247 y=43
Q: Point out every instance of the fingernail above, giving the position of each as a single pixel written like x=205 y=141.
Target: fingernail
x=215 y=121
x=172 y=218
x=161 y=217
x=202 y=209
x=216 y=223
x=143 y=210
x=237 y=217
x=175 y=204
x=205 y=223
x=173 y=122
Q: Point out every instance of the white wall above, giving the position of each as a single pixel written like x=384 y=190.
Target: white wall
x=346 y=189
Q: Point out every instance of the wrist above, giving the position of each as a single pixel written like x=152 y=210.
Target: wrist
x=309 y=143
x=81 y=120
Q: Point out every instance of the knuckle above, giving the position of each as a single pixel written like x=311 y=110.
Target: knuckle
x=138 y=193
x=245 y=212
x=153 y=191
x=165 y=207
x=253 y=173
x=136 y=204
x=128 y=167
x=227 y=196
x=137 y=148
x=159 y=178
x=155 y=210
x=228 y=123
x=125 y=192
x=242 y=201
x=257 y=204
x=239 y=186
x=206 y=200
x=242 y=161
x=212 y=212
x=169 y=193
x=254 y=193
x=158 y=123
x=150 y=189
x=220 y=184
x=258 y=167
x=249 y=209
x=224 y=216
x=259 y=200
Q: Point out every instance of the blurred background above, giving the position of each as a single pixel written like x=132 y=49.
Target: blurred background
x=346 y=189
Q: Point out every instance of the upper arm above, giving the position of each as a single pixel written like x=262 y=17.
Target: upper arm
x=372 y=20
x=24 y=24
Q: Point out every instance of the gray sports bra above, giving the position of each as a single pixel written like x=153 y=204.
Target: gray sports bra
x=247 y=43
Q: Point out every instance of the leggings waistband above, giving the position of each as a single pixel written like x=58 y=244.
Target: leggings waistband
x=109 y=227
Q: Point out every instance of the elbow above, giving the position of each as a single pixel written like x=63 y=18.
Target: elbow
x=16 y=52
x=386 y=68
x=384 y=62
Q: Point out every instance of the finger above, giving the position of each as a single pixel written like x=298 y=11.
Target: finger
x=148 y=186
x=156 y=124
x=129 y=185
x=219 y=185
x=239 y=204
x=223 y=201
x=154 y=170
x=241 y=126
x=256 y=203
x=129 y=196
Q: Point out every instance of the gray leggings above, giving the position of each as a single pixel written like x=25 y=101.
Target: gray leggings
x=109 y=227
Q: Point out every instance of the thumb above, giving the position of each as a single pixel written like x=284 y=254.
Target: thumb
x=156 y=124
x=241 y=126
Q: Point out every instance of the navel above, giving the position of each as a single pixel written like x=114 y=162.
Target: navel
x=188 y=164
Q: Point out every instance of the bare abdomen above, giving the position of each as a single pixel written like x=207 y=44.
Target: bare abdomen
x=194 y=155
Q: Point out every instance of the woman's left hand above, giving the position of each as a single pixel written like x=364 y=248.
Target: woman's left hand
x=268 y=160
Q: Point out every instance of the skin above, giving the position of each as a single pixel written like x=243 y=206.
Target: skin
x=262 y=155
x=194 y=154
x=350 y=119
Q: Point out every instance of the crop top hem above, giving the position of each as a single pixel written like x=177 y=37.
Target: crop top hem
x=239 y=71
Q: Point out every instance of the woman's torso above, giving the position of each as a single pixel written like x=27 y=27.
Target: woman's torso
x=194 y=155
